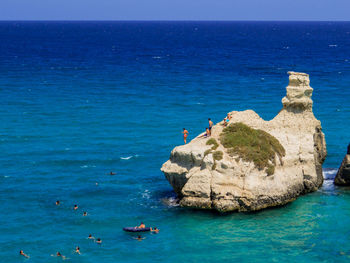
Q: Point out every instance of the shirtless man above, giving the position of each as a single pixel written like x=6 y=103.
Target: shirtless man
x=206 y=134
x=185 y=133
x=210 y=125
x=142 y=225
x=23 y=254
x=77 y=250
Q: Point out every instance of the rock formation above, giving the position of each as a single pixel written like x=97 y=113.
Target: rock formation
x=343 y=174
x=205 y=174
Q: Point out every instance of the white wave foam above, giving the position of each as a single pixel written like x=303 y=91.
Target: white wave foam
x=328 y=184
x=171 y=201
x=157 y=57
x=129 y=157
x=329 y=173
x=146 y=194
x=87 y=166
x=333 y=45
x=126 y=158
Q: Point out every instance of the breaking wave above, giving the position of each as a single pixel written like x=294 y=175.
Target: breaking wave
x=129 y=157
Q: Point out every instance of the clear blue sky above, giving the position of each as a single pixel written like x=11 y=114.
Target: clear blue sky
x=175 y=10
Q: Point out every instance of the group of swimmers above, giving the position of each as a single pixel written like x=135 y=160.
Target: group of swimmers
x=97 y=240
x=142 y=225
x=75 y=207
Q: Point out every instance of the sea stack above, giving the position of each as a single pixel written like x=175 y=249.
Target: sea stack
x=343 y=174
x=250 y=164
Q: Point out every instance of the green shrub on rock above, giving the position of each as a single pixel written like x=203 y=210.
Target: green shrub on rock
x=252 y=145
x=213 y=142
x=217 y=155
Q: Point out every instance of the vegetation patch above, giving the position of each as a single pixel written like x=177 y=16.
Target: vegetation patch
x=252 y=145
x=217 y=155
x=270 y=169
x=213 y=142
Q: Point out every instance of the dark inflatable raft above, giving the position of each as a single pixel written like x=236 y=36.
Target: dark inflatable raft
x=135 y=229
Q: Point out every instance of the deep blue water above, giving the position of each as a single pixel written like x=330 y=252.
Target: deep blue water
x=81 y=99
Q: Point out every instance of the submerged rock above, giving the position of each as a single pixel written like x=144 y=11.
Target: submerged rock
x=205 y=174
x=343 y=174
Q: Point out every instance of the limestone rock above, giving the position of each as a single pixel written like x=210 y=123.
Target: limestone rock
x=343 y=174
x=237 y=185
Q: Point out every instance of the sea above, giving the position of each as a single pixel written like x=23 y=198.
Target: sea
x=79 y=100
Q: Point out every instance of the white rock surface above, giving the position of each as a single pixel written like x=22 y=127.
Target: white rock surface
x=237 y=185
x=343 y=174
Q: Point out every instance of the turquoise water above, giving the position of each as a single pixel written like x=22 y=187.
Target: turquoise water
x=79 y=100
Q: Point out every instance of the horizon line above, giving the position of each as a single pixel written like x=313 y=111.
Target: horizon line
x=160 y=20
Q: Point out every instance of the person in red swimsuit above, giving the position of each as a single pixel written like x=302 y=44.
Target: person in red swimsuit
x=185 y=133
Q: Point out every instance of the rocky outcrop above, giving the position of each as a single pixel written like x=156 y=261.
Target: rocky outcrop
x=230 y=182
x=343 y=174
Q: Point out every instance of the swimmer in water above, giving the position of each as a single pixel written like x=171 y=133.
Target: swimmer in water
x=111 y=173
x=90 y=237
x=85 y=214
x=75 y=207
x=139 y=238
x=58 y=202
x=142 y=225
x=23 y=254
x=58 y=254
x=77 y=250
x=99 y=241
x=155 y=230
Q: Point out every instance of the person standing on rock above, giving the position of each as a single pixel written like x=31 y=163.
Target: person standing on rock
x=185 y=133
x=210 y=125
